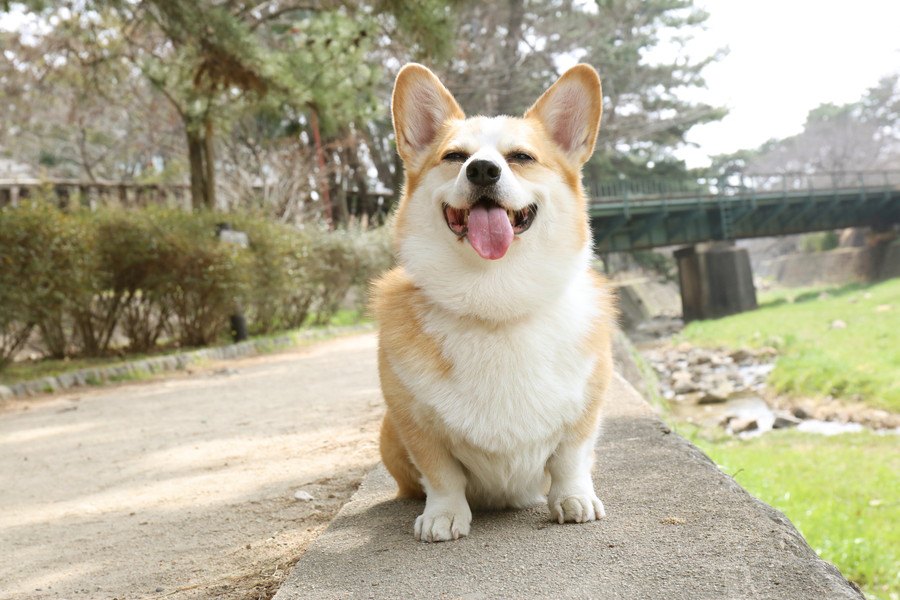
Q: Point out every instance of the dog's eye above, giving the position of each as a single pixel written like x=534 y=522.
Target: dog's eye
x=455 y=156
x=520 y=157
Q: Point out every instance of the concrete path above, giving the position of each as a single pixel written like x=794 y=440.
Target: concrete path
x=677 y=528
x=184 y=488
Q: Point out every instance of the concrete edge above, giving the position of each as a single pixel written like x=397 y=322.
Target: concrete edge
x=305 y=578
x=180 y=361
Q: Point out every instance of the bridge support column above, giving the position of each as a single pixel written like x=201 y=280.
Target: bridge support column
x=715 y=279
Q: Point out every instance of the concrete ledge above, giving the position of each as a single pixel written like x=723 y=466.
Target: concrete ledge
x=677 y=527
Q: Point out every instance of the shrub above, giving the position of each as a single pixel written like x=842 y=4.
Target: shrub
x=133 y=258
x=206 y=279
x=82 y=279
x=43 y=257
x=821 y=241
x=306 y=274
x=279 y=295
x=343 y=260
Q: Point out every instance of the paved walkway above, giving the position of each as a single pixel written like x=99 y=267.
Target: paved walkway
x=184 y=488
x=677 y=528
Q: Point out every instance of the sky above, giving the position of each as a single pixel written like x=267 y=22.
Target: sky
x=785 y=58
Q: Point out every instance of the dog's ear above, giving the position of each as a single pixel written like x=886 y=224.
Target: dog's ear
x=570 y=111
x=419 y=106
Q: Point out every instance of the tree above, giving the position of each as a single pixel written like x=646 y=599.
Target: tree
x=215 y=62
x=71 y=111
x=859 y=136
x=509 y=52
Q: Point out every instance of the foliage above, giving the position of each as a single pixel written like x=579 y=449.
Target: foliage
x=509 y=53
x=43 y=256
x=231 y=93
x=840 y=492
x=820 y=241
x=89 y=282
x=658 y=262
x=149 y=81
x=860 y=361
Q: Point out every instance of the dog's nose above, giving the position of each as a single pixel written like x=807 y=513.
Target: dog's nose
x=483 y=172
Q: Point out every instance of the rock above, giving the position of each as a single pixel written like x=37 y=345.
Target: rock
x=66 y=380
x=719 y=393
x=800 y=413
x=784 y=421
x=690 y=397
x=742 y=425
x=767 y=351
x=838 y=324
x=682 y=382
x=684 y=347
x=303 y=496
x=720 y=360
x=882 y=308
x=740 y=355
x=700 y=358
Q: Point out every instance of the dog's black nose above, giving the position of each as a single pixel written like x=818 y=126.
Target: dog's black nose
x=483 y=172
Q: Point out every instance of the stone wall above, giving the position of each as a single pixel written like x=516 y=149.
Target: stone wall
x=838 y=267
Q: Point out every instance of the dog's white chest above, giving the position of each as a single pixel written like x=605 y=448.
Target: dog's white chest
x=514 y=386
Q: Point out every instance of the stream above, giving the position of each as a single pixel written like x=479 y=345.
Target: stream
x=726 y=388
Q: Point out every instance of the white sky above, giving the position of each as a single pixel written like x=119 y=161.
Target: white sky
x=787 y=57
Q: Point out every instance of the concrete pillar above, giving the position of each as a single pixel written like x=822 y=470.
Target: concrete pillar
x=715 y=280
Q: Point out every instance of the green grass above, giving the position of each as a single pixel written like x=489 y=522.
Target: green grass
x=860 y=362
x=38 y=369
x=841 y=492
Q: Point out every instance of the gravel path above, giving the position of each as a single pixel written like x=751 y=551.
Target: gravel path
x=185 y=487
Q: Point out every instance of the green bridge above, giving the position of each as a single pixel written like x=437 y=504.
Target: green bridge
x=634 y=215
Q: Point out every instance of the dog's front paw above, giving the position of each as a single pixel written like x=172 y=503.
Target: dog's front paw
x=441 y=524
x=578 y=507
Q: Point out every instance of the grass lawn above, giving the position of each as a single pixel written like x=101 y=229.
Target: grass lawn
x=841 y=492
x=860 y=361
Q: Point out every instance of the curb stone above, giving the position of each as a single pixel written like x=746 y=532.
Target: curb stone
x=170 y=362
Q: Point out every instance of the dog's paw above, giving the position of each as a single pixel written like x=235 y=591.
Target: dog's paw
x=576 y=507
x=443 y=524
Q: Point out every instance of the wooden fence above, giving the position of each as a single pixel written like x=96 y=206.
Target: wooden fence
x=93 y=194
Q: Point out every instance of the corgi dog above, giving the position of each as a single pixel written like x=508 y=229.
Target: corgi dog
x=494 y=332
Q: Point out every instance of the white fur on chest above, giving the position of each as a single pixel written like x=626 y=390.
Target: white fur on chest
x=511 y=386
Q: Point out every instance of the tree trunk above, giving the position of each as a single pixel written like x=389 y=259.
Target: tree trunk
x=509 y=54
x=210 y=165
x=321 y=176
x=198 y=172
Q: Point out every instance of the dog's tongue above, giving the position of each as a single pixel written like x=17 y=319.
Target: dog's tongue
x=490 y=231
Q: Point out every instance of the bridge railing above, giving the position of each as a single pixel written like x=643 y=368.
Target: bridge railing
x=744 y=184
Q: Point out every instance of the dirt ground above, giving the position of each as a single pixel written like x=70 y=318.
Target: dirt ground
x=185 y=487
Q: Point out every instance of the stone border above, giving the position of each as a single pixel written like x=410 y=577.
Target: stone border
x=171 y=362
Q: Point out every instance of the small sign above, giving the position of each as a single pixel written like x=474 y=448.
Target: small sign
x=230 y=236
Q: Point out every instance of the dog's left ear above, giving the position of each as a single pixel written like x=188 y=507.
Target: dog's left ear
x=570 y=111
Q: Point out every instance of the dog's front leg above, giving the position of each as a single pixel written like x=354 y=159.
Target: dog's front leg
x=447 y=514
x=572 y=496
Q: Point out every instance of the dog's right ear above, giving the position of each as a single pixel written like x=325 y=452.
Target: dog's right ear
x=419 y=106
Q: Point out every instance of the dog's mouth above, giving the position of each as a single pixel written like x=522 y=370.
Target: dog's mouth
x=458 y=218
x=489 y=227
